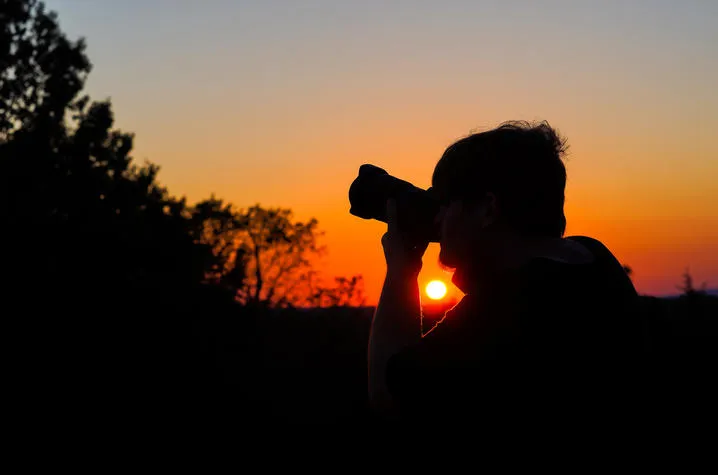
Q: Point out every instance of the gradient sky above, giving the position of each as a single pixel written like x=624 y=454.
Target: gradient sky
x=280 y=103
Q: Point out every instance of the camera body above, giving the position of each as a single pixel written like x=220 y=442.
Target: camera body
x=416 y=208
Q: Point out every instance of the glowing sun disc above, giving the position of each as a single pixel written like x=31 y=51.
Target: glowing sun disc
x=436 y=289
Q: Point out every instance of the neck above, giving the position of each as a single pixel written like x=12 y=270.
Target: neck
x=481 y=280
x=511 y=252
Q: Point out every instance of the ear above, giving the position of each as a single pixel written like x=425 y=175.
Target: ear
x=489 y=210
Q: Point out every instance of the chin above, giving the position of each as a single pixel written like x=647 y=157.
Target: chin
x=446 y=260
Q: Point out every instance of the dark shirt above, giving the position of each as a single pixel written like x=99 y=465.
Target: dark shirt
x=550 y=341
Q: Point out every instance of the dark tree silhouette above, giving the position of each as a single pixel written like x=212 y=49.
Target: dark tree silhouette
x=217 y=224
x=98 y=258
x=267 y=258
x=41 y=71
x=346 y=292
x=688 y=288
x=278 y=252
x=82 y=211
x=343 y=291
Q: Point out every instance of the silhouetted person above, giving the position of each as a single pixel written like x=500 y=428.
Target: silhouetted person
x=546 y=329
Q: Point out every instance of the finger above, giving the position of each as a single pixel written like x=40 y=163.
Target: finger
x=391 y=221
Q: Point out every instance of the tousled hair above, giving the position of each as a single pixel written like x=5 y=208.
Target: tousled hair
x=521 y=163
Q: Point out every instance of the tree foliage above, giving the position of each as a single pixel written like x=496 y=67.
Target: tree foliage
x=687 y=286
x=78 y=211
x=41 y=71
x=278 y=252
x=268 y=259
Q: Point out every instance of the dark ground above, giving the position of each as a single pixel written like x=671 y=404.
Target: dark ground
x=193 y=355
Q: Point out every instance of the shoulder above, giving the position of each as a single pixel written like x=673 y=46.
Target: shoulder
x=601 y=278
x=603 y=257
x=593 y=245
x=606 y=270
x=589 y=252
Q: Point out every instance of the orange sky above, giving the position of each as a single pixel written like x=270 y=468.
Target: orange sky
x=280 y=103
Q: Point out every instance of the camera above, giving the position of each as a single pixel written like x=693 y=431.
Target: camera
x=416 y=208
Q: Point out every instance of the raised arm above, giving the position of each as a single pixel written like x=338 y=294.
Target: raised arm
x=396 y=322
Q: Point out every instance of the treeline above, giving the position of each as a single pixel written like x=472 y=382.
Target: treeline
x=112 y=286
x=77 y=208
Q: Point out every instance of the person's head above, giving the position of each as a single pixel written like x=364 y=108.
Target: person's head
x=499 y=185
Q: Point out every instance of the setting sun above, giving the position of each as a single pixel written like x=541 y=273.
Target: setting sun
x=436 y=289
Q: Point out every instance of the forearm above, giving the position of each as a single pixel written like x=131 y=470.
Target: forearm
x=395 y=325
